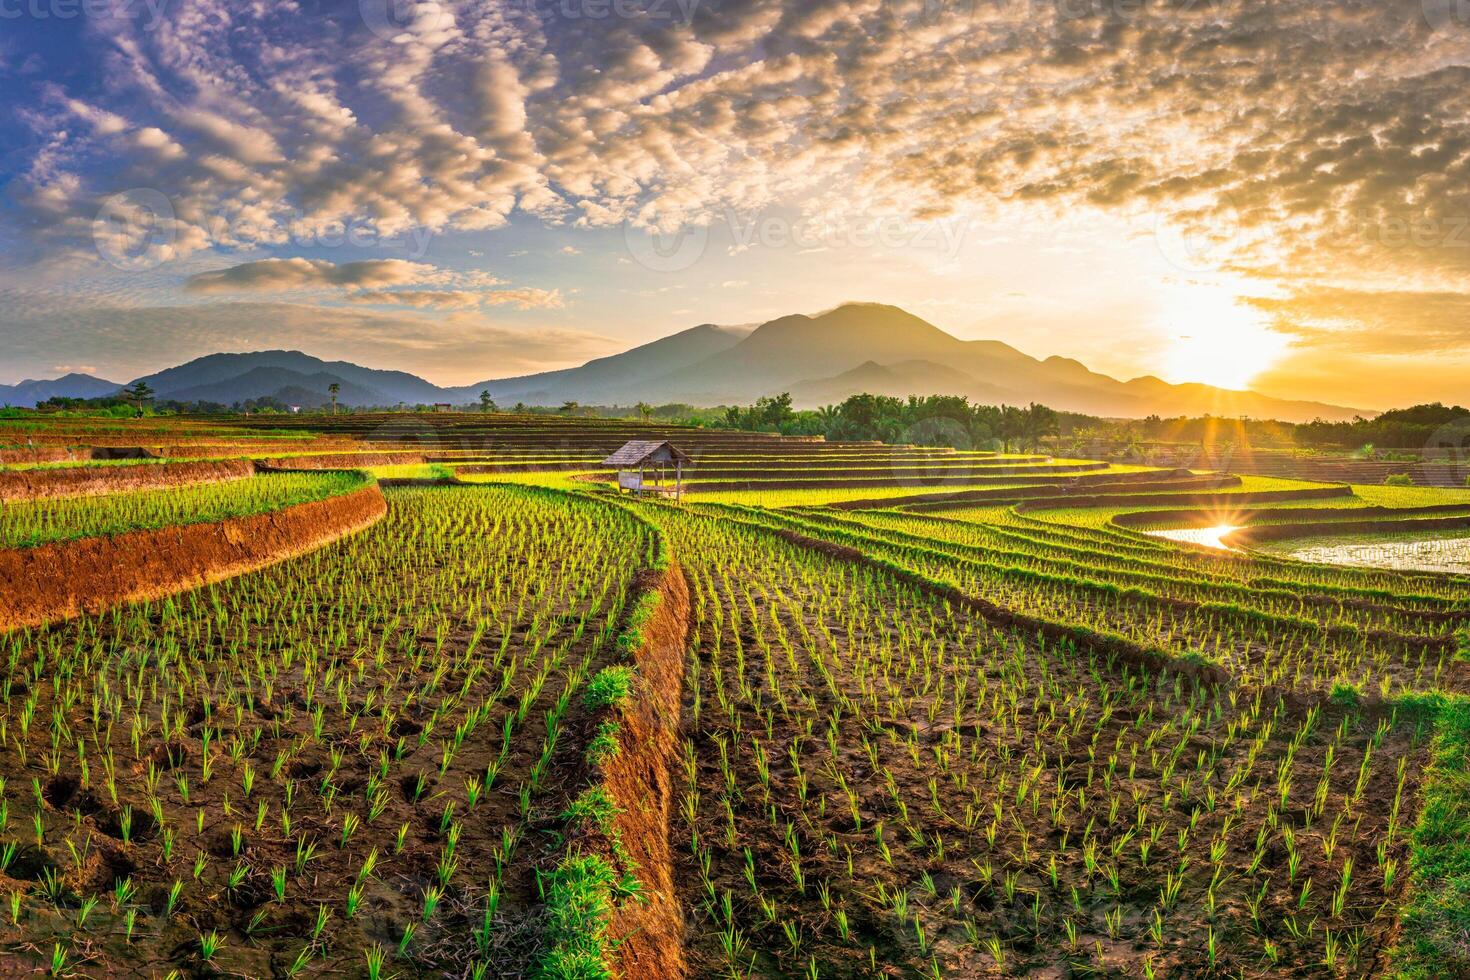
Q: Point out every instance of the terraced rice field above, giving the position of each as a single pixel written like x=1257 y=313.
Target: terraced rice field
x=844 y=711
x=31 y=523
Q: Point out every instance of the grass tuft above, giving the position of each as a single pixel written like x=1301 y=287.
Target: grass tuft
x=1436 y=919
x=609 y=687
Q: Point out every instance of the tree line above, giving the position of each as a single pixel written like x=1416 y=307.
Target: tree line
x=930 y=420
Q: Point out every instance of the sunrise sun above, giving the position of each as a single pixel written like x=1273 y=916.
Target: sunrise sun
x=1215 y=338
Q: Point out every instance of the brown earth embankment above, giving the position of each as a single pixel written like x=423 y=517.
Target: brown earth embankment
x=641 y=778
x=338 y=461
x=12 y=456
x=84 y=481
x=55 y=581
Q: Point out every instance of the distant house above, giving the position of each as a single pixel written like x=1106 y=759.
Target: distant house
x=443 y=407
x=637 y=458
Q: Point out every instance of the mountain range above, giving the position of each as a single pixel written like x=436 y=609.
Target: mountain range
x=858 y=347
x=28 y=393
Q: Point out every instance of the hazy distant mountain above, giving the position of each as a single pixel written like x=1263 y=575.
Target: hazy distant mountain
x=291 y=387
x=228 y=378
x=899 y=380
x=30 y=393
x=614 y=378
x=820 y=359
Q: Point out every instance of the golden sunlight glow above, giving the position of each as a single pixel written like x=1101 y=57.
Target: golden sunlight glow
x=1214 y=338
x=1209 y=537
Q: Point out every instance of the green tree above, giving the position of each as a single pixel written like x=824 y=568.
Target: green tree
x=138 y=393
x=1038 y=423
x=644 y=410
x=332 y=389
x=1012 y=425
x=487 y=404
x=569 y=407
x=774 y=411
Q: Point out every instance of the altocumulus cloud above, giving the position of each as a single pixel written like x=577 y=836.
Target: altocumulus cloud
x=372 y=282
x=460 y=299
x=1301 y=134
x=279 y=275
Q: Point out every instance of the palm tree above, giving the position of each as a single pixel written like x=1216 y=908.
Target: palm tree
x=828 y=417
x=568 y=407
x=487 y=404
x=1011 y=425
x=138 y=392
x=1039 y=423
x=332 y=389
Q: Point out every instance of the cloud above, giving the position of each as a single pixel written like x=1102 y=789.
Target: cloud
x=1284 y=116
x=436 y=299
x=374 y=282
x=278 y=275
x=459 y=299
x=1373 y=321
x=447 y=347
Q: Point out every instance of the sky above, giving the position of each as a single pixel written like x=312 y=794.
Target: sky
x=1270 y=195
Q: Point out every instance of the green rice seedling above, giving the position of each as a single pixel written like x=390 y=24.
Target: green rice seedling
x=354 y=899
x=302 y=961
x=432 y=895
x=209 y=945
x=85 y=910
x=323 y=916
x=376 y=959
x=174 y=892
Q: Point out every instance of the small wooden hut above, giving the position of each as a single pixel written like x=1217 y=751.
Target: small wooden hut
x=637 y=458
